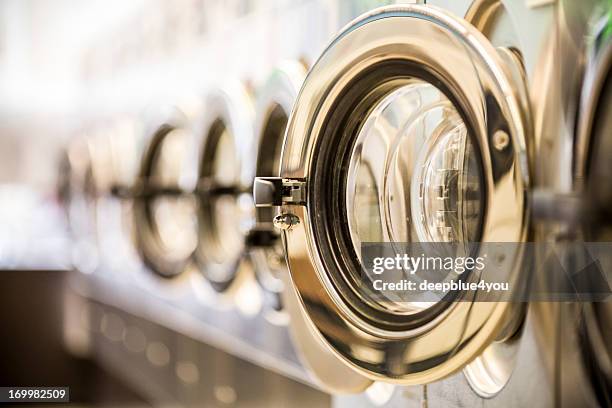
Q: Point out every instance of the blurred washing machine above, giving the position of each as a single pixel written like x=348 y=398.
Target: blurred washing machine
x=224 y=133
x=389 y=141
x=115 y=220
x=98 y=167
x=578 y=129
x=165 y=208
x=84 y=181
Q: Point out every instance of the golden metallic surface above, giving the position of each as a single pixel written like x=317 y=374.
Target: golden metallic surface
x=491 y=371
x=428 y=38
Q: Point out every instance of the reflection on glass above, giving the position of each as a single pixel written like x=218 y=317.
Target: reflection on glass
x=174 y=218
x=227 y=237
x=413 y=176
x=366 y=206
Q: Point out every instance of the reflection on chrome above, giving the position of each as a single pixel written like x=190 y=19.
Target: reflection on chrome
x=412 y=176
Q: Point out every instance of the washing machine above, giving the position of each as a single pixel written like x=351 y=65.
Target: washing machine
x=114 y=218
x=224 y=133
x=416 y=124
x=75 y=186
x=84 y=181
x=165 y=206
x=273 y=106
x=578 y=137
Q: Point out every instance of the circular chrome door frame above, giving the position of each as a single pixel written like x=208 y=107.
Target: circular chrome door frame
x=230 y=106
x=146 y=236
x=274 y=103
x=486 y=96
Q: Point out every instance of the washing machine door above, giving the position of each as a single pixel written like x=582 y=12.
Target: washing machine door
x=407 y=129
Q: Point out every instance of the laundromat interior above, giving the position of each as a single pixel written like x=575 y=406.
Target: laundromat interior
x=242 y=203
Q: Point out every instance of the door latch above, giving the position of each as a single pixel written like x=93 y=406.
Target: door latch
x=277 y=191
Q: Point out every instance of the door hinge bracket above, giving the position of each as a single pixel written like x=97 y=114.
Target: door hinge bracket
x=277 y=191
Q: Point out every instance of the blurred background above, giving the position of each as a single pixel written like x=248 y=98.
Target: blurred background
x=71 y=70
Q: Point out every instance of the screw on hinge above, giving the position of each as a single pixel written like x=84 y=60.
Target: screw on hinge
x=286 y=221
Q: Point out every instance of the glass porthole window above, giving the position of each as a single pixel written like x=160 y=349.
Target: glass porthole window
x=172 y=216
x=413 y=175
x=165 y=208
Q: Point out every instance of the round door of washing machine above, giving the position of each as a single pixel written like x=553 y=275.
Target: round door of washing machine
x=412 y=127
x=165 y=208
x=224 y=136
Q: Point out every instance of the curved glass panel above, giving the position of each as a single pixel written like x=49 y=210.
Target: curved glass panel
x=173 y=217
x=414 y=178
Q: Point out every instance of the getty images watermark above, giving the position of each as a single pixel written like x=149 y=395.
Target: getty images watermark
x=516 y=272
x=423 y=265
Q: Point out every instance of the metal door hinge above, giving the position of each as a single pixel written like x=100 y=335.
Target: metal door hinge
x=277 y=191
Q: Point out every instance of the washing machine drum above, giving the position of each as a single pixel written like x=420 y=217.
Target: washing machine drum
x=408 y=129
